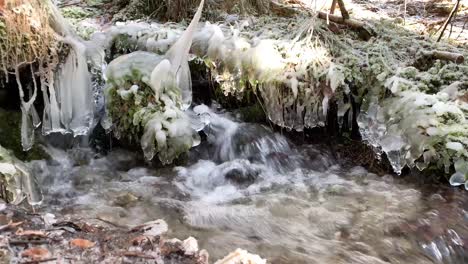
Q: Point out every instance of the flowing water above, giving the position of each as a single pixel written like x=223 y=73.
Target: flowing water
x=246 y=186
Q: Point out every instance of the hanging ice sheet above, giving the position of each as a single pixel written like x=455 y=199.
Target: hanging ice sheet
x=68 y=98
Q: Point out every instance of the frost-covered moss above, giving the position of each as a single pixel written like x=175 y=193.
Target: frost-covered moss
x=81 y=19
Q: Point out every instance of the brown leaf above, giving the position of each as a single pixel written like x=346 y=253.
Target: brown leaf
x=464 y=97
x=35 y=253
x=82 y=243
x=33 y=233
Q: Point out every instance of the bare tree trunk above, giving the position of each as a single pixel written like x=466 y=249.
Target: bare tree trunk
x=344 y=12
x=454 y=10
x=333 y=6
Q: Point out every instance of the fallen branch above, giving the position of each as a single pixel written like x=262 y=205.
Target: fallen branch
x=445 y=55
x=356 y=24
x=352 y=23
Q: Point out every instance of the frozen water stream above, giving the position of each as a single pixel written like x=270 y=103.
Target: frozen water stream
x=248 y=187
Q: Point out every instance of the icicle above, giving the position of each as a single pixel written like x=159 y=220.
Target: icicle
x=178 y=58
x=36 y=121
x=27 y=125
x=158 y=82
x=74 y=91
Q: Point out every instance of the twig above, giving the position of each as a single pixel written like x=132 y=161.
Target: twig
x=452 y=13
x=404 y=13
x=22 y=242
x=135 y=254
x=451 y=24
x=11 y=224
x=111 y=223
x=463 y=29
x=38 y=261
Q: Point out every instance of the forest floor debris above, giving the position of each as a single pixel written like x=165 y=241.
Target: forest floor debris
x=27 y=237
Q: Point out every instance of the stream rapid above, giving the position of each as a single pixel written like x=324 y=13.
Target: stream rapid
x=248 y=187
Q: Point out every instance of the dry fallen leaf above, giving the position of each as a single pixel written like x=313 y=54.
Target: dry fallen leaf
x=35 y=253
x=82 y=243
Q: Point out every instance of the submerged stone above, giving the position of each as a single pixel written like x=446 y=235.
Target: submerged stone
x=457 y=179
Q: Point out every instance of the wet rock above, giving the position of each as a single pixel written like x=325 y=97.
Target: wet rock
x=190 y=246
x=83 y=180
x=281 y=161
x=122 y=159
x=242 y=176
x=152 y=228
x=171 y=246
x=203 y=257
x=125 y=199
x=241 y=256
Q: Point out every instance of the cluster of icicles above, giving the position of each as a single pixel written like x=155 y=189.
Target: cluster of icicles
x=413 y=129
x=67 y=94
x=294 y=98
x=285 y=67
x=69 y=98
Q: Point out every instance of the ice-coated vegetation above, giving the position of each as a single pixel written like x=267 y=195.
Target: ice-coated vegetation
x=153 y=91
x=58 y=58
x=139 y=115
x=17 y=181
x=413 y=106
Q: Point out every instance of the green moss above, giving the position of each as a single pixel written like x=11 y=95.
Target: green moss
x=253 y=113
x=10 y=137
x=76 y=12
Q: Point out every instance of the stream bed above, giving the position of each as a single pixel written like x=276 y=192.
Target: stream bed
x=248 y=187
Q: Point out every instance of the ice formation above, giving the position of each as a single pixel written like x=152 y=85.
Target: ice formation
x=298 y=68
x=70 y=94
x=66 y=87
x=17 y=180
x=166 y=130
